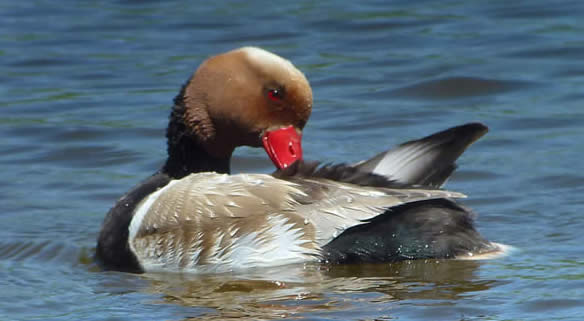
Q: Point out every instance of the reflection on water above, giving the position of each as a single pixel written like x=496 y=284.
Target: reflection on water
x=295 y=290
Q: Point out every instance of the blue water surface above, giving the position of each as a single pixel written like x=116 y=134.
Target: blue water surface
x=85 y=92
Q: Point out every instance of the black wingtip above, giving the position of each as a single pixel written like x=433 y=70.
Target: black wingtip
x=474 y=130
x=471 y=131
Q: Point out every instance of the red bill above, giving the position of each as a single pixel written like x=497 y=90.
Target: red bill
x=283 y=145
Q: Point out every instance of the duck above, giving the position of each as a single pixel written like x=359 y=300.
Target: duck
x=194 y=216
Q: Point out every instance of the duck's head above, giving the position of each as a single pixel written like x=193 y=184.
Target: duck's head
x=249 y=97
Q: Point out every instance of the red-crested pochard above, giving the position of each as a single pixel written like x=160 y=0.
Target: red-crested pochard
x=193 y=216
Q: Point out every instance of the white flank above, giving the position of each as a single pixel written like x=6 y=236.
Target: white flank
x=141 y=210
x=283 y=245
x=279 y=243
x=194 y=252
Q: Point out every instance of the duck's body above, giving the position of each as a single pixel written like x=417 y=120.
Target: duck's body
x=218 y=222
x=193 y=216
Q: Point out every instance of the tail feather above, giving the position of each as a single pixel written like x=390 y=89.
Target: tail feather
x=428 y=161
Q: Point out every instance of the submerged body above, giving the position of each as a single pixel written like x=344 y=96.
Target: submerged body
x=192 y=216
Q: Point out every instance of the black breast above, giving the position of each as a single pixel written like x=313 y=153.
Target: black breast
x=113 y=251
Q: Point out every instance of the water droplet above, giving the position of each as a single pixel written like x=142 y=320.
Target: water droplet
x=306 y=221
x=470 y=254
x=393 y=235
x=426 y=246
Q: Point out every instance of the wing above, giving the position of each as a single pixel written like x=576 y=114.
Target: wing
x=209 y=222
x=332 y=207
x=428 y=161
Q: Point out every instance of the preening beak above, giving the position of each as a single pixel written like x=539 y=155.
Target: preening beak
x=283 y=145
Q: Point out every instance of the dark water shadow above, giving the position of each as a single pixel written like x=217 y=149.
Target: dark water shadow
x=453 y=88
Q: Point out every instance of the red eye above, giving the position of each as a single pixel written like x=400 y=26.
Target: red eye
x=276 y=94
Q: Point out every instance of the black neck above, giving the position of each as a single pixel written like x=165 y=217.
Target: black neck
x=185 y=153
x=188 y=157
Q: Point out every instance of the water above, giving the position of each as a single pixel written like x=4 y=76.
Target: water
x=85 y=91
